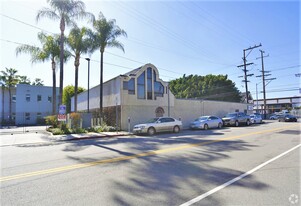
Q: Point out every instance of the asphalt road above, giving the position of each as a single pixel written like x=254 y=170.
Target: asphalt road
x=229 y=166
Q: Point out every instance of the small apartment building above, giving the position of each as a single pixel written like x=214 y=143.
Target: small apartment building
x=277 y=104
x=29 y=104
x=140 y=94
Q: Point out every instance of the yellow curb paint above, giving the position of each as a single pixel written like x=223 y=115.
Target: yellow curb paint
x=123 y=158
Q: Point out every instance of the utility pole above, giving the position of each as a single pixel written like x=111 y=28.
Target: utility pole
x=245 y=68
x=263 y=75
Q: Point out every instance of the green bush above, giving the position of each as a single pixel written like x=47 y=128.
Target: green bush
x=78 y=131
x=56 y=131
x=52 y=120
x=102 y=128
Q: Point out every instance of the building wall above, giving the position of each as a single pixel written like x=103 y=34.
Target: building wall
x=5 y=115
x=188 y=110
x=276 y=104
x=140 y=110
x=27 y=112
x=111 y=96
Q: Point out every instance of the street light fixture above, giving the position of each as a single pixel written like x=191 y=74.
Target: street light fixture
x=88 y=59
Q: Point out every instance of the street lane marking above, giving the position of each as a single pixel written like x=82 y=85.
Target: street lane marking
x=123 y=158
x=199 y=198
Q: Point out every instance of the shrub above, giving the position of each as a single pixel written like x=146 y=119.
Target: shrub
x=75 y=119
x=52 y=120
x=78 y=131
x=56 y=131
x=103 y=128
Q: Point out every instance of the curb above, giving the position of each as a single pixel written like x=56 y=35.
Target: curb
x=92 y=137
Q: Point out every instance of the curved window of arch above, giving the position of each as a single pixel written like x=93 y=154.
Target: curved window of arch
x=141 y=86
x=149 y=83
x=159 y=88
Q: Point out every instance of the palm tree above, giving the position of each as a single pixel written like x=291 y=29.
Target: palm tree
x=105 y=35
x=24 y=80
x=38 y=82
x=50 y=51
x=9 y=79
x=79 y=43
x=66 y=11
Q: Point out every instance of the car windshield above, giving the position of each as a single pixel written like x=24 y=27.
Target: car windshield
x=231 y=115
x=202 y=118
x=153 y=120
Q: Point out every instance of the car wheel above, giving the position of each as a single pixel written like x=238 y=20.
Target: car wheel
x=176 y=129
x=206 y=127
x=236 y=124
x=220 y=125
x=151 y=131
x=248 y=123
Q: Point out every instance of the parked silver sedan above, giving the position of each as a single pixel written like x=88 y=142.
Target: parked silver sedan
x=206 y=122
x=160 y=124
x=256 y=119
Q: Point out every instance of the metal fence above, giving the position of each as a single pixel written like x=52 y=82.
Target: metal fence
x=23 y=118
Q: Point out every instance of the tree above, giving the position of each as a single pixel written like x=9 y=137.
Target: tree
x=68 y=93
x=105 y=35
x=9 y=79
x=79 y=43
x=38 y=82
x=212 y=87
x=66 y=11
x=50 y=51
x=23 y=80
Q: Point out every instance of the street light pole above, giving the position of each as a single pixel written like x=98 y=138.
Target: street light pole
x=88 y=106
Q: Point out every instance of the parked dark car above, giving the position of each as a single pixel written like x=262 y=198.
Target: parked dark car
x=287 y=118
x=236 y=119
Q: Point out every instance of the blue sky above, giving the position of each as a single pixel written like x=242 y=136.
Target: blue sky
x=178 y=37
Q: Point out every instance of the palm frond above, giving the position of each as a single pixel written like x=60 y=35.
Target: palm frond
x=48 y=13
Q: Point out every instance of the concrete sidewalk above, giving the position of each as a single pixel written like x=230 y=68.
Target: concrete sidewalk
x=16 y=136
x=90 y=135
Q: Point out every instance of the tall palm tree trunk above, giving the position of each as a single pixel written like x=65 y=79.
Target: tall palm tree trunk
x=10 y=105
x=53 y=88
x=62 y=27
x=3 y=88
x=101 y=88
x=76 y=87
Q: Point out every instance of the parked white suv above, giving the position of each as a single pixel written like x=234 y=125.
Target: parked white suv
x=160 y=124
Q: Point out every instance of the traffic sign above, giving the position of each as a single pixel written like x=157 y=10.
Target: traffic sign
x=61 y=117
x=62 y=109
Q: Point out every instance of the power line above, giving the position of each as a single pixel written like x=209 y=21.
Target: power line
x=22 y=22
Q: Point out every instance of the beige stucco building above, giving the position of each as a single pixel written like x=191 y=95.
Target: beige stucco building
x=140 y=95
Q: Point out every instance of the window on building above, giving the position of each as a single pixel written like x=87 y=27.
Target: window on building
x=159 y=88
x=27 y=116
x=14 y=98
x=149 y=84
x=13 y=116
x=49 y=99
x=27 y=97
x=39 y=97
x=125 y=85
x=131 y=86
x=39 y=115
x=141 y=86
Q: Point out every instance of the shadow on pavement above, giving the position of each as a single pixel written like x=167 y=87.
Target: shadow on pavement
x=167 y=178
